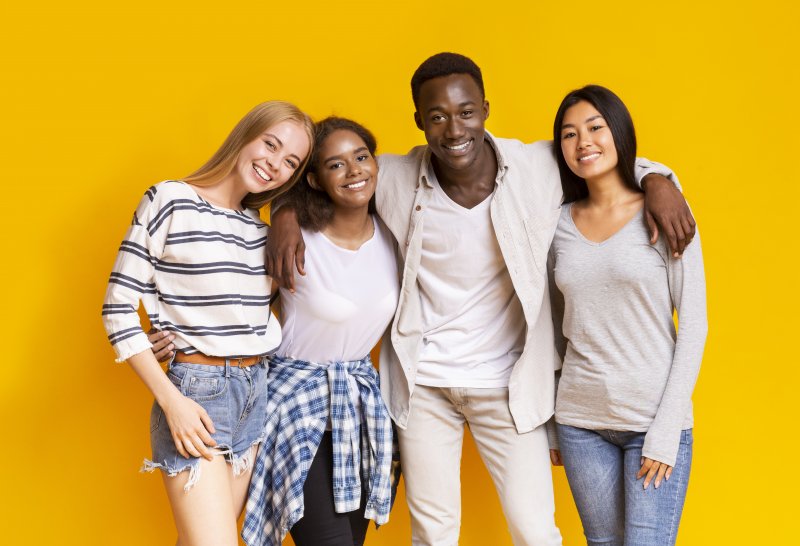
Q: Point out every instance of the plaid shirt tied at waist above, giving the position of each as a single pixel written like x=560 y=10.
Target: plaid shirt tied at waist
x=302 y=397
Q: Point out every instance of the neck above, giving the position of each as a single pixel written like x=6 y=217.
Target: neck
x=349 y=228
x=226 y=193
x=607 y=191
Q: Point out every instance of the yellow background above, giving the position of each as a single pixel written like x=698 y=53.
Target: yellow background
x=100 y=102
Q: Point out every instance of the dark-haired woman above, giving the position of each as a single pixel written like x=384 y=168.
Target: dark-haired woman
x=623 y=409
x=325 y=466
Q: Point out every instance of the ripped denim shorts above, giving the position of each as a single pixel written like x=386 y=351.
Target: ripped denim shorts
x=235 y=399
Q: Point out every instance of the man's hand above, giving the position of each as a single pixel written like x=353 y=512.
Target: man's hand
x=285 y=248
x=665 y=206
x=555 y=457
x=163 y=348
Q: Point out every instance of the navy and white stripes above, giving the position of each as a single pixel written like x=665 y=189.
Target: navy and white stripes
x=198 y=270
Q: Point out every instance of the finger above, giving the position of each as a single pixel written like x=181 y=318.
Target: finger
x=269 y=265
x=287 y=273
x=196 y=445
x=208 y=423
x=668 y=473
x=672 y=238
x=652 y=227
x=179 y=447
x=660 y=475
x=300 y=258
x=555 y=457
x=646 y=464
x=680 y=237
x=651 y=474
x=688 y=229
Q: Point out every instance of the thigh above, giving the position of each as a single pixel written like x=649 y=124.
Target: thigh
x=204 y=515
x=240 y=483
x=594 y=468
x=652 y=515
x=430 y=452
x=320 y=524
x=519 y=465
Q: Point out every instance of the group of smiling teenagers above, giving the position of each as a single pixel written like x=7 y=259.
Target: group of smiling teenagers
x=526 y=291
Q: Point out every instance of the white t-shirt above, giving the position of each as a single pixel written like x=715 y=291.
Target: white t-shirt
x=474 y=328
x=344 y=303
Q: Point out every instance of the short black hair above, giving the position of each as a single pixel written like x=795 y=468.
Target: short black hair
x=314 y=207
x=619 y=122
x=445 y=64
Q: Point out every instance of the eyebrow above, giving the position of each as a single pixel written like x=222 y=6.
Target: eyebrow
x=461 y=105
x=280 y=144
x=587 y=121
x=357 y=150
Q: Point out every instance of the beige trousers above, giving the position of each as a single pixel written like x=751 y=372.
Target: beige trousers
x=519 y=464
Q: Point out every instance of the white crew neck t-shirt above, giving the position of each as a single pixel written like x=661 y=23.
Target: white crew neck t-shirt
x=344 y=303
x=473 y=325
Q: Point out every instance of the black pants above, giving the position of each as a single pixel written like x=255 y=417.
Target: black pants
x=320 y=524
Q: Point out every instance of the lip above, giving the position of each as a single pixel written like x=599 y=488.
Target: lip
x=356 y=186
x=460 y=148
x=262 y=174
x=589 y=157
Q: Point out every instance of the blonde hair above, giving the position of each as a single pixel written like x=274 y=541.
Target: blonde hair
x=249 y=128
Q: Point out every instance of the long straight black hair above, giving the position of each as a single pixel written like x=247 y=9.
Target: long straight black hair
x=619 y=122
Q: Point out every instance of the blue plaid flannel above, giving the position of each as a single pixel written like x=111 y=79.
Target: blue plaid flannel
x=302 y=396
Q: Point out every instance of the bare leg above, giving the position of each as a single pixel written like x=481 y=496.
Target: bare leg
x=204 y=515
x=241 y=483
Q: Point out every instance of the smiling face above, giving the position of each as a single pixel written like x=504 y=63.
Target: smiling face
x=587 y=143
x=452 y=112
x=345 y=170
x=269 y=161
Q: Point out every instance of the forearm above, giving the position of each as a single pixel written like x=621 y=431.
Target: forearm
x=646 y=170
x=149 y=371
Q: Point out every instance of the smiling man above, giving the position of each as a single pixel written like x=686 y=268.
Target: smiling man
x=472 y=340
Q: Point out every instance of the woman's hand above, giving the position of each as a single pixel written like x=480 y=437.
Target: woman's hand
x=555 y=457
x=653 y=469
x=665 y=206
x=162 y=344
x=190 y=425
x=285 y=248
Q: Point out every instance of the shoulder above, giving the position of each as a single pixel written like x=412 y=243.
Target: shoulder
x=404 y=162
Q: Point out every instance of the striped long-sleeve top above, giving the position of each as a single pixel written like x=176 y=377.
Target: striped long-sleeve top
x=199 y=271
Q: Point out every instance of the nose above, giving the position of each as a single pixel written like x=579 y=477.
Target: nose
x=584 y=140
x=354 y=168
x=454 y=128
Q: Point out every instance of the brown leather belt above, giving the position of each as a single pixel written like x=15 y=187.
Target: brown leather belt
x=200 y=358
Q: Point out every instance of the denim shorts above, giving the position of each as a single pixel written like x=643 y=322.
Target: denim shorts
x=235 y=399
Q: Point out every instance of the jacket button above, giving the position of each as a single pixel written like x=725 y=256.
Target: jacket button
x=419 y=207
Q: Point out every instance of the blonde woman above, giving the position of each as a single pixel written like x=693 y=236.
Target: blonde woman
x=194 y=256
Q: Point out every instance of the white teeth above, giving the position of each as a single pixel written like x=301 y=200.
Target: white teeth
x=356 y=185
x=459 y=147
x=261 y=173
x=590 y=156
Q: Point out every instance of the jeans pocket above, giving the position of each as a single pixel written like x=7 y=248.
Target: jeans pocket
x=201 y=386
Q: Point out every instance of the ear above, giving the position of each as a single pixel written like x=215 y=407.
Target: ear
x=485 y=109
x=311 y=178
x=418 y=121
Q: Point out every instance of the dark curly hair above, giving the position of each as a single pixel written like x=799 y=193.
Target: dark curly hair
x=619 y=122
x=445 y=64
x=314 y=208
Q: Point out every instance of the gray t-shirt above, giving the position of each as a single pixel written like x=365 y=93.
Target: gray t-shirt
x=625 y=368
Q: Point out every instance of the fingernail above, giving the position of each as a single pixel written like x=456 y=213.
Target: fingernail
x=658 y=484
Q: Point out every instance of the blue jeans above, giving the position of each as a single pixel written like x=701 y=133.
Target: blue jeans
x=614 y=507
